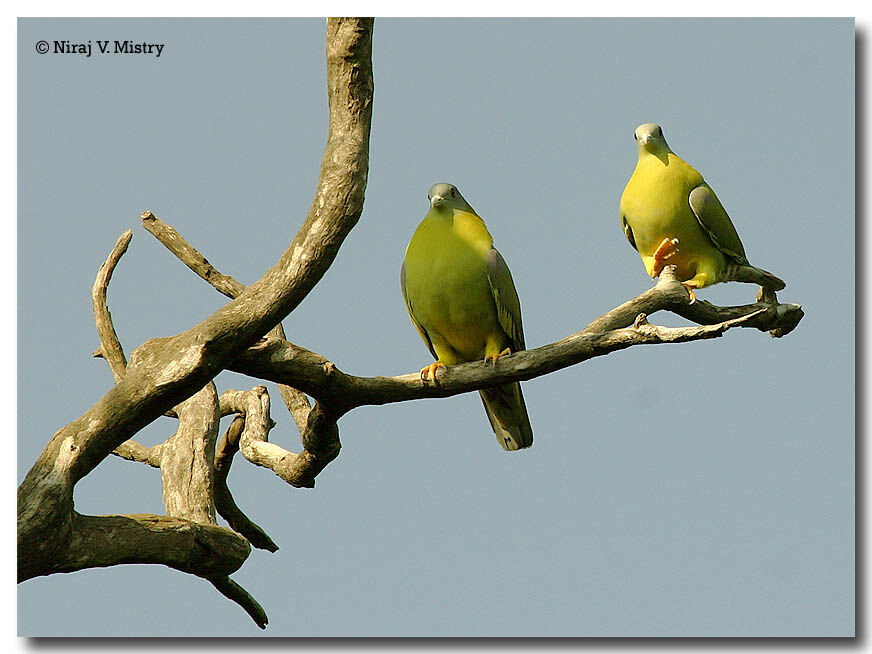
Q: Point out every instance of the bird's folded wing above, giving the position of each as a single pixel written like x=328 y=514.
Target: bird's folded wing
x=506 y=299
x=423 y=332
x=716 y=223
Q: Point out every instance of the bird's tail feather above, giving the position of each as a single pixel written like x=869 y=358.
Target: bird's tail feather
x=508 y=417
x=753 y=275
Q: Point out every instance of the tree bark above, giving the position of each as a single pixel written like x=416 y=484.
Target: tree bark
x=165 y=372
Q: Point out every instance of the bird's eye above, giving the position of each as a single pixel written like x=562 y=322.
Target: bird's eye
x=635 y=138
x=453 y=193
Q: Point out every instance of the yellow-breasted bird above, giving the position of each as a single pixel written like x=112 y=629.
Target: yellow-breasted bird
x=462 y=300
x=672 y=217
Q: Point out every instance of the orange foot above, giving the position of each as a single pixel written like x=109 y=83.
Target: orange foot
x=428 y=373
x=494 y=357
x=690 y=293
x=667 y=248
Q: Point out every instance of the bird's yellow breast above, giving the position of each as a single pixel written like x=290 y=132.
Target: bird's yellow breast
x=655 y=204
x=447 y=284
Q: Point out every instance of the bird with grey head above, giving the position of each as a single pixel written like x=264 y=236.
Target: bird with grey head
x=462 y=301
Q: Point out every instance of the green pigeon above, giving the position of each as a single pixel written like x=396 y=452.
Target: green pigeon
x=462 y=300
x=672 y=217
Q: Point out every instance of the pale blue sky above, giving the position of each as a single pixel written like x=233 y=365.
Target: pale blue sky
x=698 y=489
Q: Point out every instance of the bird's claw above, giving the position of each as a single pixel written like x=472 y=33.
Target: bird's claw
x=689 y=290
x=494 y=357
x=428 y=373
x=668 y=248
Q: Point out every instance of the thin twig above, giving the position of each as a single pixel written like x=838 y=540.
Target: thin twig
x=224 y=502
x=233 y=591
x=133 y=451
x=110 y=347
x=189 y=255
x=295 y=400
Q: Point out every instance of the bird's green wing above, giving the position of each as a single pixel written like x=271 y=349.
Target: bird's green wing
x=423 y=332
x=506 y=299
x=716 y=223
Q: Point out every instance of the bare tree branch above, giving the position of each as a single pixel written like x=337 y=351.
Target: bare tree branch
x=101 y=541
x=187 y=459
x=224 y=501
x=778 y=319
x=338 y=392
x=322 y=435
x=296 y=401
x=164 y=372
x=180 y=491
x=110 y=347
x=296 y=469
x=190 y=256
x=133 y=451
x=187 y=467
x=669 y=296
x=233 y=591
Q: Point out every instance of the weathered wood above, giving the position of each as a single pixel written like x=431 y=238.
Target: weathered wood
x=338 y=392
x=164 y=372
x=100 y=541
x=296 y=401
x=133 y=451
x=110 y=347
x=224 y=502
x=187 y=459
x=320 y=439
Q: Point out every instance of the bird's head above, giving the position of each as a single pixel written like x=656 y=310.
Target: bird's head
x=650 y=139
x=444 y=196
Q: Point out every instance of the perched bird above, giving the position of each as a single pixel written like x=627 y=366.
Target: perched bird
x=462 y=300
x=672 y=217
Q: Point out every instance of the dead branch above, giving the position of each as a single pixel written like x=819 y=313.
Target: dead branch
x=224 y=501
x=778 y=319
x=110 y=347
x=295 y=401
x=187 y=459
x=296 y=469
x=133 y=451
x=166 y=371
x=189 y=255
x=338 y=392
x=100 y=541
x=236 y=593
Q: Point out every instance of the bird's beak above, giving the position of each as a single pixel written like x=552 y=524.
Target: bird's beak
x=644 y=139
x=436 y=201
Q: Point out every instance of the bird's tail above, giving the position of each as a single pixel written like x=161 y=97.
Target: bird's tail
x=753 y=275
x=508 y=416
